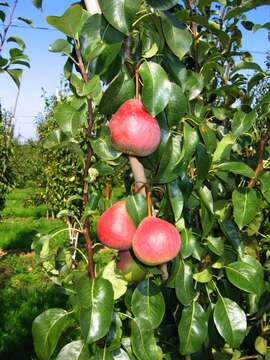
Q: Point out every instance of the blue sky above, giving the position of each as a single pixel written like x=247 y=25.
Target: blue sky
x=46 y=67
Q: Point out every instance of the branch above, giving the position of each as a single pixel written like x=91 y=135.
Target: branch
x=7 y=27
x=92 y=6
x=86 y=224
x=262 y=145
x=194 y=29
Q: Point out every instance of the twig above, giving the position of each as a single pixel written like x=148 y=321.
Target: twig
x=262 y=145
x=7 y=27
x=194 y=29
x=86 y=224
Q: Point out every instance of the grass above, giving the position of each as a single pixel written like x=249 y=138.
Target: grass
x=25 y=291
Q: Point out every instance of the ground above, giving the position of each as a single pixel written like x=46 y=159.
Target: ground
x=25 y=291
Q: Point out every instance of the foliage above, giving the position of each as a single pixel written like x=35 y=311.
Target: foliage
x=210 y=302
x=6 y=156
x=14 y=59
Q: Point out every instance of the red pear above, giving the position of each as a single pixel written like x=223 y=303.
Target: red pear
x=156 y=241
x=132 y=270
x=115 y=229
x=133 y=130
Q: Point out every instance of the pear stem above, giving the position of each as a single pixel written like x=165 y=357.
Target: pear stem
x=149 y=204
x=139 y=174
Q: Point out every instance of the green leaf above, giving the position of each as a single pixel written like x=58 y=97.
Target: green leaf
x=244 y=276
x=121 y=89
x=231 y=233
x=192 y=83
x=120 y=354
x=184 y=283
x=47 y=329
x=223 y=149
x=208 y=136
x=203 y=276
x=76 y=350
x=265 y=184
x=2 y=16
x=69 y=119
x=207 y=198
x=26 y=20
x=230 y=321
x=118 y=282
x=188 y=243
x=70 y=22
x=102 y=146
x=178 y=38
x=16 y=75
x=148 y=303
x=107 y=56
x=120 y=13
x=162 y=4
x=17 y=40
x=62 y=46
x=37 y=3
x=113 y=338
x=156 y=87
x=235 y=167
x=137 y=208
x=192 y=328
x=261 y=345
x=248 y=5
x=242 y=122
x=245 y=206
x=176 y=199
x=202 y=161
x=177 y=106
x=86 y=88
x=216 y=245
x=247 y=65
x=191 y=140
x=96 y=306
x=168 y=170
x=143 y=340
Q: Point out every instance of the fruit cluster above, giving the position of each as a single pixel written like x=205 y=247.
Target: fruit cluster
x=135 y=132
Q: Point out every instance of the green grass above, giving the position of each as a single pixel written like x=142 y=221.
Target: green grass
x=25 y=291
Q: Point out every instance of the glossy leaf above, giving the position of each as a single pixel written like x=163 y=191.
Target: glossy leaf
x=202 y=161
x=192 y=328
x=148 y=303
x=68 y=118
x=121 y=89
x=216 y=245
x=236 y=167
x=265 y=184
x=178 y=38
x=230 y=231
x=162 y=4
x=230 y=321
x=17 y=40
x=143 y=340
x=96 y=306
x=37 y=3
x=70 y=22
x=247 y=65
x=102 y=146
x=120 y=13
x=188 y=243
x=176 y=199
x=47 y=329
x=223 y=149
x=113 y=338
x=209 y=137
x=16 y=75
x=244 y=276
x=242 y=122
x=184 y=283
x=168 y=170
x=203 y=276
x=120 y=354
x=177 y=106
x=156 y=87
x=245 y=206
x=76 y=350
x=62 y=46
x=137 y=208
x=191 y=140
x=118 y=282
x=206 y=197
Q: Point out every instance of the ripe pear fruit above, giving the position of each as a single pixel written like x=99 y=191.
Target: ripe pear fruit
x=156 y=241
x=133 y=130
x=115 y=229
x=132 y=270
